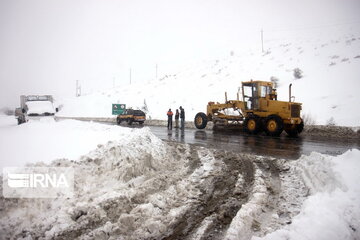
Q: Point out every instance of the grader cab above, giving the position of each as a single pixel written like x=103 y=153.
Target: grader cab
x=257 y=111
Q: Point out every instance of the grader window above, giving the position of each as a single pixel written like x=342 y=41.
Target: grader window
x=251 y=95
x=265 y=90
x=248 y=96
x=248 y=91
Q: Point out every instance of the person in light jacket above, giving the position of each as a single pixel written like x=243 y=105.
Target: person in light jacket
x=177 y=116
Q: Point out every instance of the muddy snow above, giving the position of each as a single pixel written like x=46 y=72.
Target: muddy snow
x=140 y=187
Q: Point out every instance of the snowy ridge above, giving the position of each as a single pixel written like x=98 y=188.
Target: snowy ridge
x=328 y=87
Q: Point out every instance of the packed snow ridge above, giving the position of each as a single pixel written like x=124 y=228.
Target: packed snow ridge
x=323 y=68
x=139 y=187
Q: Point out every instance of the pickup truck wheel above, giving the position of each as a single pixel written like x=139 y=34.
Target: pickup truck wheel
x=118 y=120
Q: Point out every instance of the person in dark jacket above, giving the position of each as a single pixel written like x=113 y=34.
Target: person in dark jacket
x=177 y=116
x=170 y=115
x=182 y=117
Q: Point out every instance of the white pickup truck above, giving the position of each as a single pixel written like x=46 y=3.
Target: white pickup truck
x=34 y=106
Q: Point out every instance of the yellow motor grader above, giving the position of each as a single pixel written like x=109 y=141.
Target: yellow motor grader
x=259 y=110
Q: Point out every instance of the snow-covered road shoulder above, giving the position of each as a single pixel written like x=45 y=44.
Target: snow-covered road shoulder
x=332 y=211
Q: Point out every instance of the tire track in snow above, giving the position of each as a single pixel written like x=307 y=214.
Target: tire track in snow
x=221 y=198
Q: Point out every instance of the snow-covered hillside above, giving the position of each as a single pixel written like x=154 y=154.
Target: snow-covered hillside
x=328 y=89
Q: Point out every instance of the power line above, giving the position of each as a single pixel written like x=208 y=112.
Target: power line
x=262 y=41
x=130 y=76
x=299 y=28
x=314 y=27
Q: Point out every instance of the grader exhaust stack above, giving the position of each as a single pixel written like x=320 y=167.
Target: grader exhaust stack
x=290 y=92
x=257 y=111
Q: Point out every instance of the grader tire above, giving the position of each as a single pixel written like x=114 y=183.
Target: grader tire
x=300 y=127
x=200 y=120
x=294 y=131
x=274 y=125
x=252 y=125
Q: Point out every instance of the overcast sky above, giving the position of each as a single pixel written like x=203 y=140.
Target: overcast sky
x=45 y=46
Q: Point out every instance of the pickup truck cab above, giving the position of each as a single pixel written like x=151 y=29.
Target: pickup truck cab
x=131 y=116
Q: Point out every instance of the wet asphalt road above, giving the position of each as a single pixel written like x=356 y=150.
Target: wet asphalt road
x=280 y=147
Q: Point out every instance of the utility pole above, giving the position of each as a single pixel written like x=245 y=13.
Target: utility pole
x=156 y=72
x=262 y=41
x=130 y=76
x=78 y=89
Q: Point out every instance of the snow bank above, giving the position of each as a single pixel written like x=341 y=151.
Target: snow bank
x=45 y=139
x=333 y=210
x=134 y=188
x=103 y=177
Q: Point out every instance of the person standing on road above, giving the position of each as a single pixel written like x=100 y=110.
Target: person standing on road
x=182 y=117
x=170 y=115
x=177 y=115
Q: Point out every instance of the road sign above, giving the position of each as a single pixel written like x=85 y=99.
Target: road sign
x=118 y=109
